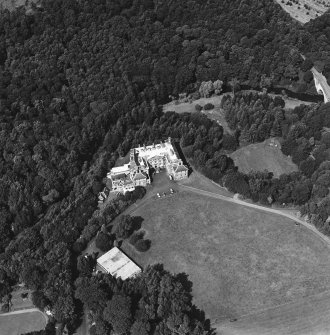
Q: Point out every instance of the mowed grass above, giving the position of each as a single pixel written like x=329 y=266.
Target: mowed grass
x=262 y=156
x=21 y=323
x=304 y=317
x=240 y=260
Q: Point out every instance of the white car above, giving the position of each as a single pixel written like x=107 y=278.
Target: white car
x=158 y=195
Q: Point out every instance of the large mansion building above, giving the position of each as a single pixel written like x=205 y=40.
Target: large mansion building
x=137 y=172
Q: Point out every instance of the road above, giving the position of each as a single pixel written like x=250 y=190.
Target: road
x=319 y=77
x=258 y=207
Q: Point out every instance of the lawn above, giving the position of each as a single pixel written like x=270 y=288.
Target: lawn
x=262 y=156
x=240 y=260
x=21 y=323
x=18 y=302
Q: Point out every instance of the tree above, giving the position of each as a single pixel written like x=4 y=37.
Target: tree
x=124 y=226
x=234 y=84
x=39 y=300
x=217 y=85
x=118 y=313
x=206 y=88
x=85 y=264
x=208 y=106
x=136 y=237
x=103 y=241
x=142 y=245
x=140 y=327
x=308 y=76
x=306 y=65
x=91 y=293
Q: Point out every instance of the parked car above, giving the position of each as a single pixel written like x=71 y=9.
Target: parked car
x=171 y=190
x=158 y=195
x=164 y=194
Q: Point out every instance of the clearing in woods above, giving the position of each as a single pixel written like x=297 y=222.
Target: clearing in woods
x=240 y=260
x=217 y=114
x=304 y=10
x=263 y=156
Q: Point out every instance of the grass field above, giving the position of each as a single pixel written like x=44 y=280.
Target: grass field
x=308 y=316
x=15 y=324
x=240 y=260
x=262 y=156
x=300 y=13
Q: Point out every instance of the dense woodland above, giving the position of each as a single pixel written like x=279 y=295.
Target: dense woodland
x=305 y=137
x=81 y=83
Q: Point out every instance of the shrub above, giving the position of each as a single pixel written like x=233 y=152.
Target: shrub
x=198 y=107
x=208 y=106
x=142 y=245
x=308 y=76
x=136 y=237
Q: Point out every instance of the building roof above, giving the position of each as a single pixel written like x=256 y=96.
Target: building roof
x=156 y=157
x=180 y=168
x=118 y=264
x=162 y=149
x=139 y=176
x=119 y=176
x=120 y=169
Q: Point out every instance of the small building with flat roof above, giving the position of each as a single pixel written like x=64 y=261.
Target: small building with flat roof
x=118 y=264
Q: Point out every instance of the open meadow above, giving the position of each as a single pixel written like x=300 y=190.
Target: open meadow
x=263 y=156
x=240 y=260
x=304 y=10
x=22 y=322
x=308 y=316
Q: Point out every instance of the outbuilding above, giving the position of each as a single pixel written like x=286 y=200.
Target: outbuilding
x=117 y=264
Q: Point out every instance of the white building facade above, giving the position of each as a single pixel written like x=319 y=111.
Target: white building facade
x=143 y=160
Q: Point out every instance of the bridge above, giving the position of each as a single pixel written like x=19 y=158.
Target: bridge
x=321 y=84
